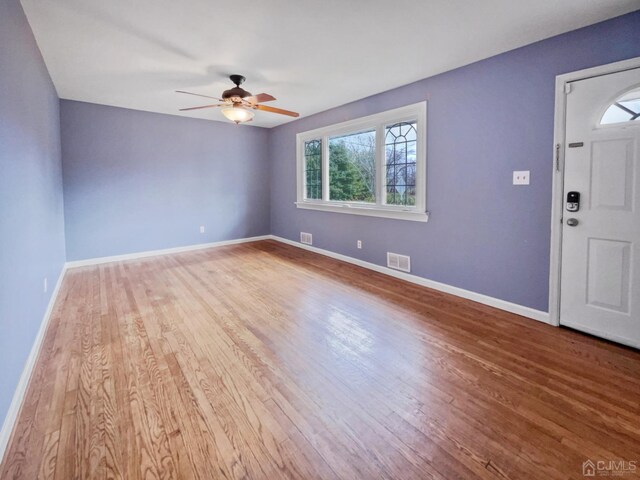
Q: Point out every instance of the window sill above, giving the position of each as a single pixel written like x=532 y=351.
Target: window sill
x=413 y=216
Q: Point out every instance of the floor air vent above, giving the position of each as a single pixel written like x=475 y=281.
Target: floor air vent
x=399 y=262
x=306 y=238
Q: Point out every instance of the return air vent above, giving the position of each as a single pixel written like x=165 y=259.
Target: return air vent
x=398 y=262
x=306 y=238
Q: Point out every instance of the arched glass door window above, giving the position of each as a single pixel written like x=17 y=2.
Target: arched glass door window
x=624 y=109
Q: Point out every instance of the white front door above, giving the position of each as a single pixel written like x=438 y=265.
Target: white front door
x=600 y=271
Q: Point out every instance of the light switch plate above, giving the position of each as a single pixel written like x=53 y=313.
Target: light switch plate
x=521 y=177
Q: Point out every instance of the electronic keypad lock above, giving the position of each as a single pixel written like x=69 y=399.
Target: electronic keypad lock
x=573 y=201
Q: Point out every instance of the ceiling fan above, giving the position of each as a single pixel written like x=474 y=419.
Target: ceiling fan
x=238 y=104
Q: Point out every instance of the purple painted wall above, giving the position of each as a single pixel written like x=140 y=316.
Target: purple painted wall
x=136 y=181
x=31 y=208
x=484 y=121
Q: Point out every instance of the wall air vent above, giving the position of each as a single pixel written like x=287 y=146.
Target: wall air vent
x=399 y=262
x=306 y=238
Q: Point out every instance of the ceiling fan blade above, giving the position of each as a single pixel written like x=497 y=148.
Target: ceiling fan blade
x=260 y=98
x=276 y=110
x=199 y=95
x=264 y=97
x=203 y=106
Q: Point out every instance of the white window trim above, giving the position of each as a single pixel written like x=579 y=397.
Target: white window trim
x=416 y=112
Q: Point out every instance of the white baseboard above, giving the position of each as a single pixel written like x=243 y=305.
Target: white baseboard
x=165 y=251
x=21 y=389
x=443 y=287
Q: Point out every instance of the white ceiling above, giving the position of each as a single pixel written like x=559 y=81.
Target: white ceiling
x=311 y=55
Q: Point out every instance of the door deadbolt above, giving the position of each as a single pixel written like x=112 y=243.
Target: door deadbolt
x=572 y=222
x=573 y=201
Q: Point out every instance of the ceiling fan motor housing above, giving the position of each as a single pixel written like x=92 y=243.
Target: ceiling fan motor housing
x=236 y=93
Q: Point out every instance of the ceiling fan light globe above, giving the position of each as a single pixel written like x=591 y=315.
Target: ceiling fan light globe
x=238 y=114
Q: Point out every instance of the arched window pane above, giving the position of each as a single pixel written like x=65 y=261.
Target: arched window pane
x=313 y=169
x=400 y=153
x=624 y=109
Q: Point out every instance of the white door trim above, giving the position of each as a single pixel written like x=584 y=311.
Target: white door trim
x=557 y=202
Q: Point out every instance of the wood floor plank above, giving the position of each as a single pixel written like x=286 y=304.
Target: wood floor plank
x=264 y=361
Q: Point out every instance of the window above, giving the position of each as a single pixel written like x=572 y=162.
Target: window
x=313 y=168
x=369 y=166
x=625 y=109
x=400 y=153
x=352 y=167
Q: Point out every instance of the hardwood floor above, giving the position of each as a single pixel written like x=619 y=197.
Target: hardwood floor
x=265 y=361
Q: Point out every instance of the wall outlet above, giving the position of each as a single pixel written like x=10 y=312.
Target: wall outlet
x=359 y=243
x=201 y=228
x=521 y=177
x=46 y=285
x=306 y=238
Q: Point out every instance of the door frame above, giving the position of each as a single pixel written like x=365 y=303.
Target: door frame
x=557 y=201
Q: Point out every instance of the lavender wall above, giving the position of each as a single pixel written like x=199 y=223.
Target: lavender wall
x=484 y=121
x=31 y=208
x=136 y=181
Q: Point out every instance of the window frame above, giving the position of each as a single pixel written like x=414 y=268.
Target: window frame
x=416 y=112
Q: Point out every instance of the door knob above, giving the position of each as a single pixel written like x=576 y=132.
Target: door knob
x=572 y=222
